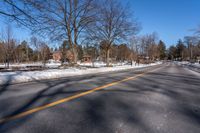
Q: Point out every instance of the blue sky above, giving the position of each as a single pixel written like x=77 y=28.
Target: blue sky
x=171 y=19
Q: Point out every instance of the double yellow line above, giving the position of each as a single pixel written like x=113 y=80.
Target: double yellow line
x=67 y=99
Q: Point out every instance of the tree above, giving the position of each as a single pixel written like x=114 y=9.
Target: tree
x=45 y=53
x=191 y=41
x=1 y=52
x=26 y=49
x=148 y=46
x=64 y=51
x=36 y=43
x=153 y=52
x=123 y=53
x=80 y=52
x=62 y=19
x=23 y=52
x=112 y=24
x=18 y=11
x=172 y=52
x=180 y=47
x=21 y=55
x=134 y=46
x=161 y=50
x=8 y=46
x=91 y=50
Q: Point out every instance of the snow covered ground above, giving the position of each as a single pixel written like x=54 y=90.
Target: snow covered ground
x=189 y=64
x=48 y=65
x=192 y=66
x=21 y=76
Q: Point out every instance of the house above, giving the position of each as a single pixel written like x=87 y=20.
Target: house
x=57 y=56
x=87 y=58
x=69 y=56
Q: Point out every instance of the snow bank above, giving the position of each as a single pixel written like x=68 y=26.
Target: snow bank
x=19 y=76
x=186 y=63
x=192 y=66
x=48 y=65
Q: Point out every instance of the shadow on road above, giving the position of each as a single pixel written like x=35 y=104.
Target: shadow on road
x=4 y=87
x=183 y=90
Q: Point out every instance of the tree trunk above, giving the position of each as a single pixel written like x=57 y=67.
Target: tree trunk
x=75 y=54
x=93 y=63
x=107 y=57
x=38 y=56
x=8 y=63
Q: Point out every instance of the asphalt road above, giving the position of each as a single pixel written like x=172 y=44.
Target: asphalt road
x=164 y=100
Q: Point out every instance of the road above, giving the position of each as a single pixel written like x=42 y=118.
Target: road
x=164 y=99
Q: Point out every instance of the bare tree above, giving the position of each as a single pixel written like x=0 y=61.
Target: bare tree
x=8 y=46
x=36 y=43
x=191 y=41
x=112 y=24
x=148 y=46
x=62 y=19
x=134 y=46
x=17 y=10
x=2 y=55
x=45 y=53
x=91 y=49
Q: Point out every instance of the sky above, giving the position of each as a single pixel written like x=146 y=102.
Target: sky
x=170 y=19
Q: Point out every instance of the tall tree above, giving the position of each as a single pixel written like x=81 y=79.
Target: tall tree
x=62 y=19
x=161 y=50
x=17 y=10
x=2 y=55
x=36 y=43
x=134 y=46
x=112 y=24
x=180 y=47
x=123 y=53
x=172 y=52
x=64 y=52
x=45 y=53
x=8 y=45
x=190 y=41
x=148 y=47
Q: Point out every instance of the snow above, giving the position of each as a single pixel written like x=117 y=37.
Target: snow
x=26 y=76
x=192 y=66
x=196 y=65
x=48 y=65
x=186 y=63
x=96 y=64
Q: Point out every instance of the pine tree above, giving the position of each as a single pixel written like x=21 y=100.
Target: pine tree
x=180 y=49
x=161 y=50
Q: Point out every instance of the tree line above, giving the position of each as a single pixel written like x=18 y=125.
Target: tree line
x=36 y=50
x=187 y=49
x=100 y=28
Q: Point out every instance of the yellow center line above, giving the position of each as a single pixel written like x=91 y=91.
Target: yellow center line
x=67 y=99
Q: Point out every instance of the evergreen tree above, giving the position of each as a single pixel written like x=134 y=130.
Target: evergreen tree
x=180 y=49
x=80 y=52
x=64 y=51
x=172 y=52
x=161 y=50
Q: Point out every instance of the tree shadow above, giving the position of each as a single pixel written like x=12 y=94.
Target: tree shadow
x=96 y=110
x=8 y=81
x=44 y=97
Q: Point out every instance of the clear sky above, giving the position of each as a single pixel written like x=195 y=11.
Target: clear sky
x=171 y=19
